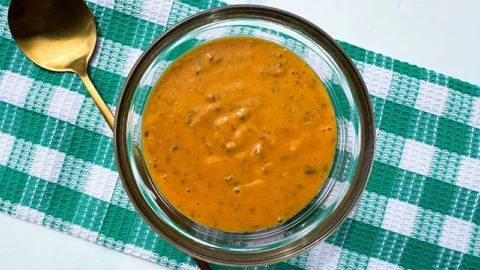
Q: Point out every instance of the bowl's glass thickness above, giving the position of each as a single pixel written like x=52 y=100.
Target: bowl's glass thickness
x=352 y=162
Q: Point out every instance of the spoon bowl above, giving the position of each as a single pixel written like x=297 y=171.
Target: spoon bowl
x=51 y=37
x=59 y=36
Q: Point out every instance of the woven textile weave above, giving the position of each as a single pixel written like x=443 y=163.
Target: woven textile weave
x=57 y=169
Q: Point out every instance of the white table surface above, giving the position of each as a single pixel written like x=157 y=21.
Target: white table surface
x=433 y=34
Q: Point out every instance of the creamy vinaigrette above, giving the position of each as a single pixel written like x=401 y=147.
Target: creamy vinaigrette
x=239 y=134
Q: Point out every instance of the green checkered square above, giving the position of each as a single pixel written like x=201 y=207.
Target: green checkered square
x=378 y=106
x=403 y=89
x=299 y=261
x=21 y=156
x=445 y=166
x=421 y=124
x=474 y=247
x=458 y=107
x=339 y=236
x=464 y=204
x=89 y=213
x=120 y=198
x=433 y=188
x=397 y=119
x=142 y=236
x=391 y=247
x=428 y=226
x=352 y=260
x=4 y=31
x=63 y=205
x=408 y=186
x=453 y=136
x=389 y=148
x=418 y=254
x=35 y=193
x=12 y=186
x=74 y=173
x=378 y=183
x=371 y=209
x=474 y=143
x=448 y=259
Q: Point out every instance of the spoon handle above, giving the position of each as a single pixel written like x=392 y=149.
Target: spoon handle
x=107 y=114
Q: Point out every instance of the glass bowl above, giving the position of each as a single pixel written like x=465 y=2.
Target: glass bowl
x=353 y=157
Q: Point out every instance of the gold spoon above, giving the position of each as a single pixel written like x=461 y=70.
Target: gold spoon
x=60 y=35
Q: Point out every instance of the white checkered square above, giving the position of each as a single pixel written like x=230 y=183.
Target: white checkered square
x=29 y=214
x=66 y=105
x=350 y=143
x=156 y=11
x=323 y=70
x=332 y=196
x=6 y=147
x=208 y=34
x=323 y=256
x=474 y=120
x=138 y=251
x=111 y=55
x=14 y=88
x=85 y=234
x=132 y=57
x=417 y=157
x=378 y=80
x=431 y=98
x=469 y=173
x=47 y=164
x=96 y=53
x=352 y=260
x=456 y=234
x=101 y=183
x=376 y=264
x=400 y=217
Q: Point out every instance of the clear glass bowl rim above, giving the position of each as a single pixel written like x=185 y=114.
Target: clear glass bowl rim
x=367 y=135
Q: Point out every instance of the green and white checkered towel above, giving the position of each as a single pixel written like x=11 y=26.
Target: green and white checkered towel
x=420 y=209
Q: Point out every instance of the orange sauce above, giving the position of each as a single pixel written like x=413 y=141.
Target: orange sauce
x=239 y=134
